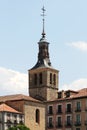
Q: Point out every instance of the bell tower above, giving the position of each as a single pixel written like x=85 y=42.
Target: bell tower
x=43 y=78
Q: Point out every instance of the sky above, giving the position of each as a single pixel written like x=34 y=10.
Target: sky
x=20 y=31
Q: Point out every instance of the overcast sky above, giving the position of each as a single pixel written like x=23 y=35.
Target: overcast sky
x=20 y=31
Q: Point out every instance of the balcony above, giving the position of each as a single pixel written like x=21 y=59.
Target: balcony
x=59 y=112
x=85 y=122
x=59 y=125
x=50 y=126
x=9 y=121
x=78 y=109
x=15 y=122
x=68 y=123
x=50 y=112
x=21 y=122
x=68 y=110
x=78 y=123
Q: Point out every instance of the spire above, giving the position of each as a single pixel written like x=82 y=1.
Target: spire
x=43 y=15
x=43 y=54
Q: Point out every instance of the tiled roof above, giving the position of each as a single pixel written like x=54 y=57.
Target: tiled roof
x=6 y=108
x=81 y=93
x=17 y=97
x=77 y=94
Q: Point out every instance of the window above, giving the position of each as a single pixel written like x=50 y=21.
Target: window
x=59 y=94
x=50 y=110
x=40 y=78
x=78 y=120
x=21 y=119
x=59 y=108
x=68 y=94
x=54 y=79
x=37 y=115
x=50 y=78
x=50 y=122
x=8 y=117
x=78 y=106
x=68 y=108
x=59 y=122
x=35 y=79
x=68 y=122
x=15 y=119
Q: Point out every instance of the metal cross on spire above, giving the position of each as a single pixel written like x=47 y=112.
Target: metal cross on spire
x=43 y=15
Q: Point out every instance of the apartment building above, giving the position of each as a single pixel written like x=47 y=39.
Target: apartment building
x=68 y=112
x=9 y=117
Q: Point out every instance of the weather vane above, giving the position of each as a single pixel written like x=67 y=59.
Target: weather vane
x=43 y=15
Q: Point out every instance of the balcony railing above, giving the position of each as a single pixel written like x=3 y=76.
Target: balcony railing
x=85 y=122
x=50 y=112
x=78 y=123
x=59 y=125
x=68 y=110
x=15 y=122
x=9 y=121
x=68 y=123
x=78 y=109
x=49 y=125
x=21 y=122
x=59 y=112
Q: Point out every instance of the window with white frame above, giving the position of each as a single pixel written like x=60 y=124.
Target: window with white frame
x=50 y=109
x=50 y=122
x=78 y=119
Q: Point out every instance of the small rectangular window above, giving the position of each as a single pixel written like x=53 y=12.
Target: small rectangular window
x=50 y=111
x=54 y=79
x=50 y=122
x=40 y=78
x=59 y=108
x=68 y=108
x=35 y=79
x=50 y=78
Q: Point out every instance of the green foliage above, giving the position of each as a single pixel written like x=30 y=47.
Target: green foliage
x=19 y=127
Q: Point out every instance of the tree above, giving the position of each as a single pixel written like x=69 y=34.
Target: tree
x=19 y=127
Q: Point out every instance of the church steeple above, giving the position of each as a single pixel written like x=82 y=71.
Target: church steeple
x=43 y=78
x=43 y=54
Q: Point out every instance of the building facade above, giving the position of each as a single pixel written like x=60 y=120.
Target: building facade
x=47 y=108
x=68 y=112
x=9 y=117
x=32 y=109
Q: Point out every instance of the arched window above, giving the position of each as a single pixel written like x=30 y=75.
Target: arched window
x=50 y=78
x=35 y=79
x=40 y=78
x=37 y=115
x=54 y=79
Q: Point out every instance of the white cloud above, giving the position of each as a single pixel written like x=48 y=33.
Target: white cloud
x=75 y=85
x=13 y=82
x=81 y=45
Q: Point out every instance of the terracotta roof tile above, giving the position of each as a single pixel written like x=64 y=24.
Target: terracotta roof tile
x=17 y=97
x=77 y=94
x=81 y=93
x=6 y=108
